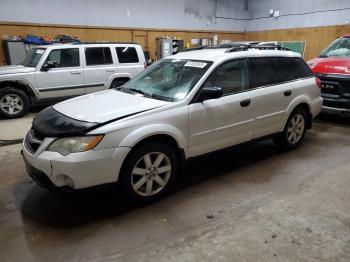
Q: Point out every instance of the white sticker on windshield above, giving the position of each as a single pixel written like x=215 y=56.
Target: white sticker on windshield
x=195 y=64
x=39 y=51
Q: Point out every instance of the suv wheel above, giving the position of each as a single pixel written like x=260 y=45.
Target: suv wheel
x=13 y=102
x=149 y=171
x=294 y=130
x=118 y=82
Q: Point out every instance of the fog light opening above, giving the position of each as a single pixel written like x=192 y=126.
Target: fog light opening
x=68 y=181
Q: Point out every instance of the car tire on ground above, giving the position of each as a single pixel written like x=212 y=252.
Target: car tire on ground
x=14 y=102
x=149 y=171
x=294 y=130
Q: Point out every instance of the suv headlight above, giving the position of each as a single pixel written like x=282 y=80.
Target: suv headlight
x=69 y=145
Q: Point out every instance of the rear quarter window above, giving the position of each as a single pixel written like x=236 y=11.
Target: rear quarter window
x=127 y=55
x=274 y=70
x=292 y=68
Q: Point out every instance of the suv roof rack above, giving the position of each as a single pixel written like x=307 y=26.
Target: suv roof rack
x=243 y=47
x=201 y=48
x=103 y=42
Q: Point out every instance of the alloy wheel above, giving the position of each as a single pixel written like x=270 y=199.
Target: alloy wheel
x=11 y=104
x=296 y=128
x=151 y=174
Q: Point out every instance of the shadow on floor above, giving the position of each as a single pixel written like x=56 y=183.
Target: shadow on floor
x=333 y=119
x=91 y=205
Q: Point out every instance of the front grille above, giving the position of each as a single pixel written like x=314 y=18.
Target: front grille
x=33 y=140
x=335 y=86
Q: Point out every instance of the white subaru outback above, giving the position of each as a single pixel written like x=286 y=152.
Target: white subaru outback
x=181 y=107
x=57 y=72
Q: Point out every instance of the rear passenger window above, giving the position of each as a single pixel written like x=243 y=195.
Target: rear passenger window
x=98 y=56
x=292 y=68
x=127 y=55
x=232 y=77
x=264 y=71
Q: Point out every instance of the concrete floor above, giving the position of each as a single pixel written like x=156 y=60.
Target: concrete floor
x=245 y=204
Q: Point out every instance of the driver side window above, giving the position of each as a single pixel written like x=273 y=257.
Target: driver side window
x=64 y=57
x=232 y=77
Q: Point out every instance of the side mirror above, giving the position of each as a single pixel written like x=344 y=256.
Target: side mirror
x=207 y=93
x=48 y=65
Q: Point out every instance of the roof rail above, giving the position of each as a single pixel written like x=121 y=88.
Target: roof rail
x=244 y=47
x=201 y=48
x=237 y=48
x=272 y=47
x=103 y=42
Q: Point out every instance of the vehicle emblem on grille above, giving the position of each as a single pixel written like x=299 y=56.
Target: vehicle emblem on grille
x=327 y=86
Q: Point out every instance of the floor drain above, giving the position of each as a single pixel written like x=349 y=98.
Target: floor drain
x=10 y=142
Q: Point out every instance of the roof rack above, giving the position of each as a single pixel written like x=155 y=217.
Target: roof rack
x=237 y=48
x=243 y=47
x=201 y=48
x=103 y=42
x=272 y=47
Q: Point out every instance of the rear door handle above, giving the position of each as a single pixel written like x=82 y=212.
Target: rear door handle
x=287 y=92
x=110 y=71
x=75 y=73
x=245 y=103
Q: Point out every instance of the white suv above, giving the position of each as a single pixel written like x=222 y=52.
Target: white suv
x=58 y=72
x=181 y=107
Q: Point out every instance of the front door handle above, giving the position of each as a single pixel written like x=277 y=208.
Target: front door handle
x=75 y=73
x=245 y=103
x=287 y=92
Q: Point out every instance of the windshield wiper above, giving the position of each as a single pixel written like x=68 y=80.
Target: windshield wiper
x=140 y=92
x=154 y=96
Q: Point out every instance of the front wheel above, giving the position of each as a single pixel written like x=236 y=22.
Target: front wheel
x=14 y=102
x=294 y=130
x=149 y=171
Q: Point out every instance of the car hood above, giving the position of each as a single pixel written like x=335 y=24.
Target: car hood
x=330 y=65
x=106 y=106
x=15 y=69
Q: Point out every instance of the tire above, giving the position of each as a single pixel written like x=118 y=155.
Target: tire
x=294 y=130
x=118 y=83
x=14 y=102
x=140 y=176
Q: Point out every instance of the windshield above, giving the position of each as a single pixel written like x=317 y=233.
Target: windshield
x=33 y=57
x=340 y=47
x=169 y=79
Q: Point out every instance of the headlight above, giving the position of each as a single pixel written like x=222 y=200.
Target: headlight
x=69 y=145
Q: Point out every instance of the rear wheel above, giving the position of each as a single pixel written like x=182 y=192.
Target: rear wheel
x=149 y=171
x=118 y=82
x=294 y=130
x=13 y=102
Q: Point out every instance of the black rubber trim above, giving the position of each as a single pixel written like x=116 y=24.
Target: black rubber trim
x=333 y=76
x=49 y=89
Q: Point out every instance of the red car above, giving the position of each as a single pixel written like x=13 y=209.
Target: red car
x=333 y=69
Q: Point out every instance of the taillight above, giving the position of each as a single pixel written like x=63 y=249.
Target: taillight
x=145 y=64
x=318 y=82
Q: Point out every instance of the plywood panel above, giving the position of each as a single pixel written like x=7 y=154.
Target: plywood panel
x=317 y=38
x=146 y=37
